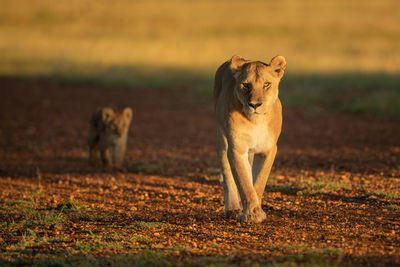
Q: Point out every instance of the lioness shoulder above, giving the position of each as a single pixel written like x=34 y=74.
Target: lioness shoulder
x=249 y=121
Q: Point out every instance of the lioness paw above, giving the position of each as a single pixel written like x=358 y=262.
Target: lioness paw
x=256 y=215
x=230 y=214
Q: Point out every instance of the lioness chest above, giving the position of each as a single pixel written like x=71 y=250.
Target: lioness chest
x=260 y=139
x=253 y=137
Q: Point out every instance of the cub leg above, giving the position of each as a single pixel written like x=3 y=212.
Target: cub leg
x=93 y=154
x=241 y=170
x=119 y=153
x=261 y=170
x=233 y=206
x=93 y=150
x=106 y=158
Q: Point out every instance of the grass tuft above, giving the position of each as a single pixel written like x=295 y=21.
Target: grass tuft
x=97 y=246
x=72 y=206
x=318 y=257
x=320 y=185
x=384 y=194
x=94 y=217
x=392 y=207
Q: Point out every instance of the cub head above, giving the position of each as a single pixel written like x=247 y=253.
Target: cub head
x=257 y=83
x=116 y=123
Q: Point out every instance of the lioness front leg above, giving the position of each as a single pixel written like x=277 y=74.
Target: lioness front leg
x=232 y=203
x=233 y=206
x=261 y=169
x=241 y=171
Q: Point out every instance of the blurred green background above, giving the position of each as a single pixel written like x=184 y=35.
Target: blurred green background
x=342 y=54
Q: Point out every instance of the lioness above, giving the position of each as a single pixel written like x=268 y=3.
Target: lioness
x=249 y=122
x=109 y=130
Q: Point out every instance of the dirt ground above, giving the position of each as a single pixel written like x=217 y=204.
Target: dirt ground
x=334 y=187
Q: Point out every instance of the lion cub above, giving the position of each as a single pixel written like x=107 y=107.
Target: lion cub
x=109 y=130
x=249 y=122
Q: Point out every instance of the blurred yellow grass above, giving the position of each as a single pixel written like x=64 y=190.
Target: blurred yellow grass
x=43 y=37
x=334 y=48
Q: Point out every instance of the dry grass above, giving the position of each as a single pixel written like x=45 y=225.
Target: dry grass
x=177 y=43
x=47 y=36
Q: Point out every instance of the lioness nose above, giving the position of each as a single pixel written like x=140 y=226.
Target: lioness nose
x=254 y=105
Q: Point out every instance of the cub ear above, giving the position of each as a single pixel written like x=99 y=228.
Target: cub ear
x=107 y=114
x=236 y=64
x=277 y=66
x=127 y=113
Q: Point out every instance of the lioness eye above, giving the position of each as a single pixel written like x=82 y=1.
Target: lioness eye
x=267 y=85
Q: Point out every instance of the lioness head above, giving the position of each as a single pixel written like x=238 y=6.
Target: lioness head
x=257 y=83
x=116 y=123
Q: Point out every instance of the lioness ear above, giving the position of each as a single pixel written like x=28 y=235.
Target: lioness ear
x=127 y=113
x=236 y=64
x=107 y=114
x=278 y=65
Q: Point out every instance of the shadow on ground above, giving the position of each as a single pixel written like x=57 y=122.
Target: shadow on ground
x=46 y=129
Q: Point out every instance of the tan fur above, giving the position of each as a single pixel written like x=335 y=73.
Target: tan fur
x=249 y=122
x=109 y=130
